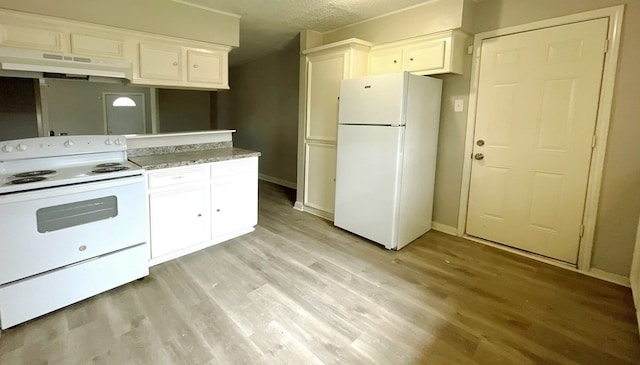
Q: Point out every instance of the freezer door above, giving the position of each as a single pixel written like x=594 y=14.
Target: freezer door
x=373 y=100
x=367 y=181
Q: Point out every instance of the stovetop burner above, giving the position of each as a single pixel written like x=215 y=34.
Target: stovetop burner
x=109 y=164
x=35 y=173
x=44 y=163
x=102 y=170
x=26 y=180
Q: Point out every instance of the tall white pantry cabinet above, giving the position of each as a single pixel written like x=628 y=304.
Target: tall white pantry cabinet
x=326 y=66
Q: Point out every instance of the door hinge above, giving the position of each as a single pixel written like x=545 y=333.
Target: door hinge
x=606 y=45
x=581 y=230
x=593 y=141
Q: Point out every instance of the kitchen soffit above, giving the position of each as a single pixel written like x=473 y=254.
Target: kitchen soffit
x=269 y=26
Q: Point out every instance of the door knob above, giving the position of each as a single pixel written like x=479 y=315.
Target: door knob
x=478 y=156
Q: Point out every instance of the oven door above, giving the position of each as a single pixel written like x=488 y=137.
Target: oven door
x=46 y=229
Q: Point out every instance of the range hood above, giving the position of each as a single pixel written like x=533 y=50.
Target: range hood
x=12 y=59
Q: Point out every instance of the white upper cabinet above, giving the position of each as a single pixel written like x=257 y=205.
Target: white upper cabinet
x=426 y=55
x=25 y=36
x=205 y=66
x=160 y=62
x=385 y=60
x=173 y=64
x=156 y=60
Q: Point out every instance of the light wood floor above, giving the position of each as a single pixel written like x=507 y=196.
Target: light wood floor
x=299 y=291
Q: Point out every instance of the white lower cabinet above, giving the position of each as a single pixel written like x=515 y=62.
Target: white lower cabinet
x=320 y=176
x=180 y=218
x=197 y=206
x=234 y=196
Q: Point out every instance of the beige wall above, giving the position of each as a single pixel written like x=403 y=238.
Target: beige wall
x=620 y=195
x=262 y=106
x=154 y=16
x=183 y=110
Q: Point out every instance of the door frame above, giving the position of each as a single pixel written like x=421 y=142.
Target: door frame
x=594 y=183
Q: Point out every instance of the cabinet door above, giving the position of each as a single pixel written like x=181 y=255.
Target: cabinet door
x=207 y=67
x=179 y=218
x=29 y=37
x=160 y=62
x=320 y=176
x=96 y=46
x=323 y=89
x=426 y=56
x=385 y=61
x=234 y=196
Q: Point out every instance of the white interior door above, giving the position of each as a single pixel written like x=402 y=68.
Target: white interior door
x=537 y=106
x=124 y=113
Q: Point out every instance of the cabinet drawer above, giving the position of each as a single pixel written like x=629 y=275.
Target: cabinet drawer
x=234 y=167
x=180 y=176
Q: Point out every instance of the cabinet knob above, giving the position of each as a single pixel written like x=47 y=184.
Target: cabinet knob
x=395 y=61
x=175 y=63
x=195 y=66
x=199 y=214
x=217 y=210
x=411 y=59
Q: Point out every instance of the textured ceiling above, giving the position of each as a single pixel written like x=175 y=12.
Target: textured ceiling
x=268 y=26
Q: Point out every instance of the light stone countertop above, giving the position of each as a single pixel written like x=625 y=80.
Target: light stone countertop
x=161 y=161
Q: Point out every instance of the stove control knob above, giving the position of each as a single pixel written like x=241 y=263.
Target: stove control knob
x=68 y=143
x=7 y=148
x=118 y=141
x=108 y=142
x=21 y=147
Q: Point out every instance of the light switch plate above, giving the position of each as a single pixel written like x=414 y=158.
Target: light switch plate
x=458 y=105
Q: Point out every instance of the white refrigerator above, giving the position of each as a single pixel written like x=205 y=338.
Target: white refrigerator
x=387 y=142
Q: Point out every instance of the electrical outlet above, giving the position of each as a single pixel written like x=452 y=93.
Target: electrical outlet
x=458 y=105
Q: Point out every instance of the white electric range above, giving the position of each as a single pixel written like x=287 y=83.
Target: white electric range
x=74 y=222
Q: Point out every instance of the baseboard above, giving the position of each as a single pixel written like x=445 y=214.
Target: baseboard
x=607 y=276
x=199 y=246
x=594 y=273
x=317 y=212
x=277 y=181
x=444 y=228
